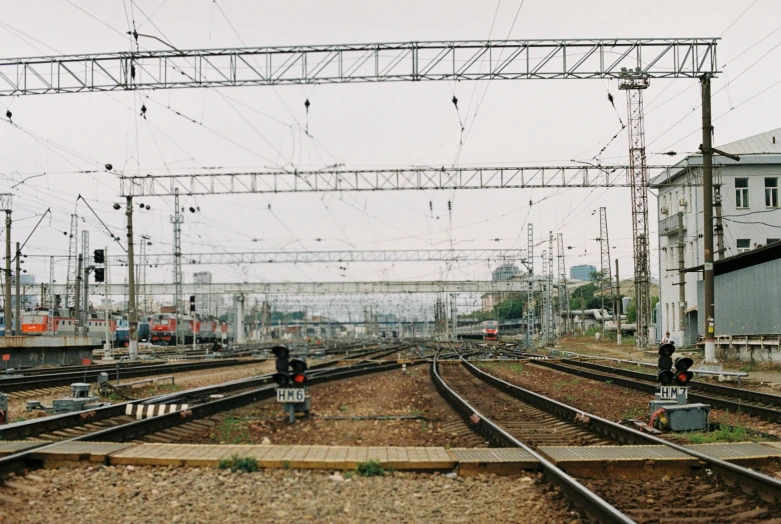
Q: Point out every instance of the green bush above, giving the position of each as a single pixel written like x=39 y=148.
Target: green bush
x=370 y=468
x=236 y=463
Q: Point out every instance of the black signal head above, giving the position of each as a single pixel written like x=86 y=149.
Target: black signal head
x=666 y=349
x=280 y=351
x=683 y=363
x=665 y=377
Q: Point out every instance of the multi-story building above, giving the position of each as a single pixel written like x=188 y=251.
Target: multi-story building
x=501 y=273
x=582 y=273
x=203 y=302
x=748 y=192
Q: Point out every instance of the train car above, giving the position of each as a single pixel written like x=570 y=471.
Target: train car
x=122 y=335
x=163 y=331
x=490 y=330
x=37 y=323
x=143 y=331
x=207 y=331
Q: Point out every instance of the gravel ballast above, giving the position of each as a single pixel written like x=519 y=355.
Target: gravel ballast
x=148 y=494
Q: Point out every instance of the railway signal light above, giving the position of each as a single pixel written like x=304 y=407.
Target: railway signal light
x=100 y=256
x=665 y=374
x=682 y=374
x=282 y=376
x=192 y=303
x=299 y=372
x=100 y=274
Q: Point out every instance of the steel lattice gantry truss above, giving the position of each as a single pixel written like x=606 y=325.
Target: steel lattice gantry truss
x=349 y=63
x=270 y=288
x=309 y=257
x=412 y=178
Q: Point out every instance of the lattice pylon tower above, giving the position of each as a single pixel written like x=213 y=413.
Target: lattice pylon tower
x=83 y=312
x=73 y=254
x=634 y=83
x=604 y=257
x=544 y=308
x=176 y=220
x=551 y=312
x=564 y=293
x=530 y=293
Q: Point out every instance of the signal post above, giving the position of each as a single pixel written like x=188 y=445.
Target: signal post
x=292 y=389
x=670 y=409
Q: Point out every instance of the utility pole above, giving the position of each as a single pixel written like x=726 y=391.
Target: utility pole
x=52 y=305
x=617 y=306
x=530 y=293
x=77 y=296
x=85 y=257
x=176 y=220
x=604 y=251
x=132 y=312
x=564 y=294
x=707 y=228
x=6 y=200
x=681 y=275
x=551 y=313
x=17 y=313
x=70 y=278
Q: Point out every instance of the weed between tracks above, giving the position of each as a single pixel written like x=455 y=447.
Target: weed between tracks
x=370 y=468
x=231 y=431
x=515 y=367
x=236 y=463
x=725 y=433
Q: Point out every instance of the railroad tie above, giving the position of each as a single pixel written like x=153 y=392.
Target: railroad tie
x=152 y=410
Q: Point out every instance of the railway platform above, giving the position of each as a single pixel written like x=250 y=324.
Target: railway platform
x=584 y=461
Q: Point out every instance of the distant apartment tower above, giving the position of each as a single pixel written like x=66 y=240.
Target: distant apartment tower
x=203 y=301
x=582 y=273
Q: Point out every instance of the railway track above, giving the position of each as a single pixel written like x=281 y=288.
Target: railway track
x=763 y=405
x=741 y=494
x=112 y=424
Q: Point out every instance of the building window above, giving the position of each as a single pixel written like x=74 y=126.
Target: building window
x=744 y=244
x=772 y=240
x=741 y=192
x=771 y=192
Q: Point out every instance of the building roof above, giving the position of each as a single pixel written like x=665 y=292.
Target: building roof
x=764 y=148
x=766 y=143
x=743 y=260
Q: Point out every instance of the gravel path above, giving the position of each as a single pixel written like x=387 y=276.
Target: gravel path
x=151 y=495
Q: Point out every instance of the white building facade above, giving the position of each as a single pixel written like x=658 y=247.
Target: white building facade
x=749 y=194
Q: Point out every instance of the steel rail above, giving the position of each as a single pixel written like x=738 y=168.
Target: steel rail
x=644 y=385
x=767 y=487
x=29 y=428
x=23 y=383
x=135 y=429
x=589 y=501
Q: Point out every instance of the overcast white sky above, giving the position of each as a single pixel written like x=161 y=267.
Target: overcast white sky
x=361 y=125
